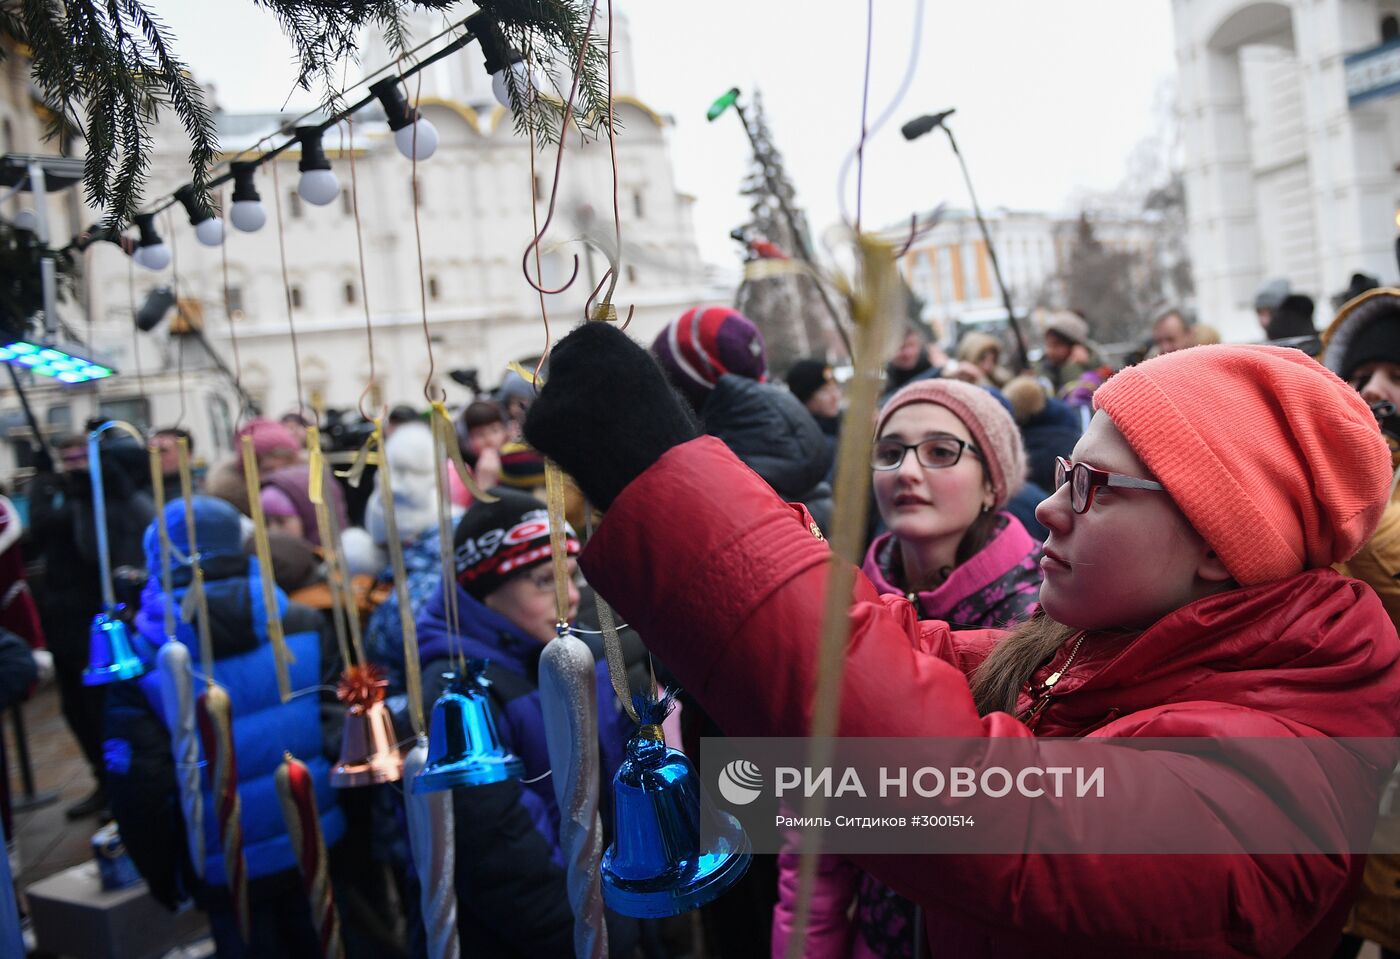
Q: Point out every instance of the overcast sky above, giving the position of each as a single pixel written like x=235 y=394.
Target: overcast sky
x=1052 y=95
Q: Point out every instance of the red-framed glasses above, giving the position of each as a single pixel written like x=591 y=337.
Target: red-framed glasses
x=1085 y=479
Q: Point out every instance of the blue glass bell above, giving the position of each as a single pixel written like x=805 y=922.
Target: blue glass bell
x=672 y=850
x=113 y=655
x=463 y=746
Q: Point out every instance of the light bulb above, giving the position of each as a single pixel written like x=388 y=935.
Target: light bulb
x=319 y=187
x=153 y=257
x=209 y=232
x=427 y=139
x=26 y=220
x=524 y=81
x=247 y=215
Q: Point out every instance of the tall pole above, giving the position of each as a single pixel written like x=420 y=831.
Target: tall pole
x=991 y=251
x=47 y=274
x=798 y=237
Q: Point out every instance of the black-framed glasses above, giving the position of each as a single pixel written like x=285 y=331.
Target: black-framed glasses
x=1085 y=479
x=934 y=453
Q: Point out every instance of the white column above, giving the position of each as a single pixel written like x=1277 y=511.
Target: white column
x=1223 y=223
x=1353 y=184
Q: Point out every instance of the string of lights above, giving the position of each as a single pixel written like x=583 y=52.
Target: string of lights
x=414 y=136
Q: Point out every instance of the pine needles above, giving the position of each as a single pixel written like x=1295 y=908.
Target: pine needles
x=113 y=64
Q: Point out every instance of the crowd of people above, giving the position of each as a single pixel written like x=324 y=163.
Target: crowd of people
x=1205 y=542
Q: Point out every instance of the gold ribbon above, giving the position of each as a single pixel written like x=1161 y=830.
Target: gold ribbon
x=195 y=599
x=163 y=528
x=364 y=457
x=444 y=440
x=413 y=674
x=769 y=269
x=527 y=375
x=282 y=656
x=330 y=548
x=874 y=306
x=442 y=420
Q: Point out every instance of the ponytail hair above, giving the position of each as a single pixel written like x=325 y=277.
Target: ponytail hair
x=998 y=681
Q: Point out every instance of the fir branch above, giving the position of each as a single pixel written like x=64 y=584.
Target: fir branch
x=113 y=63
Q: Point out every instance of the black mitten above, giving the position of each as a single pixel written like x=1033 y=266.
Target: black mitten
x=607 y=412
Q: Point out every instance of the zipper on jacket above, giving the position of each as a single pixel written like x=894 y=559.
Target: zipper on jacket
x=1043 y=695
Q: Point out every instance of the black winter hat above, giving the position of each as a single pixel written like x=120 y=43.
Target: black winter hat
x=494 y=541
x=805 y=377
x=1292 y=317
x=1376 y=340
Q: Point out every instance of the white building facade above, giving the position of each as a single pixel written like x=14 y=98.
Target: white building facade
x=1286 y=176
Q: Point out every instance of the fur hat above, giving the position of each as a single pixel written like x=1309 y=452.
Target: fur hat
x=1026 y=396
x=1366 y=328
x=1069 y=325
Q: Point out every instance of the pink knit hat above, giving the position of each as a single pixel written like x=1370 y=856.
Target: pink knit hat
x=1276 y=462
x=993 y=430
x=268 y=437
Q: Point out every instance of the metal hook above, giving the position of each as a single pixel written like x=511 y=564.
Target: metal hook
x=934 y=218
x=615 y=260
x=559 y=166
x=913 y=232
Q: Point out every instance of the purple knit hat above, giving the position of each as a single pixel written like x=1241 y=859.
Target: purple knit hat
x=705 y=343
x=993 y=430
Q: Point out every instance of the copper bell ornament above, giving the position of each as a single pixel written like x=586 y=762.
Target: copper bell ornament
x=464 y=748
x=672 y=851
x=368 y=751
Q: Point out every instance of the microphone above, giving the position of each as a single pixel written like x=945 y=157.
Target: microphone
x=918 y=127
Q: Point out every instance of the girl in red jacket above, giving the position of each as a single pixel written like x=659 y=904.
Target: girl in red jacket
x=1187 y=594
x=947 y=457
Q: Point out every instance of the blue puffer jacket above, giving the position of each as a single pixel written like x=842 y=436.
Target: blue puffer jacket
x=263 y=725
x=514 y=673
x=140 y=769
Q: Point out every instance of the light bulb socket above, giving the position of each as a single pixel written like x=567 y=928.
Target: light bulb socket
x=313 y=154
x=396 y=108
x=197 y=209
x=498 y=51
x=243 y=186
x=146 y=224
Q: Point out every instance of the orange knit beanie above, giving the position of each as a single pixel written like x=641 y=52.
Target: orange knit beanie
x=1276 y=462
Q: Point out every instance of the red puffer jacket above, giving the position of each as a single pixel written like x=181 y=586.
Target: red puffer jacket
x=726 y=583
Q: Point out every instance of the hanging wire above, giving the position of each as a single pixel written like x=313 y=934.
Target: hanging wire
x=135 y=333
x=243 y=401
x=286 y=284
x=539 y=290
x=559 y=166
x=287 y=128
x=857 y=153
x=360 y=251
x=175 y=291
x=431 y=394
x=864 y=106
x=614 y=261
